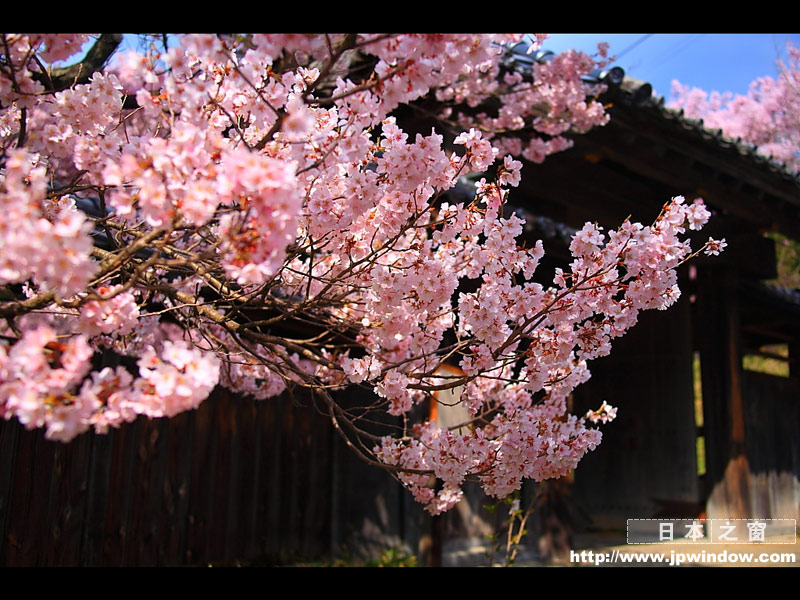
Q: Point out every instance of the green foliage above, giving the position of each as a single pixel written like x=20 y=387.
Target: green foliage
x=391 y=557
x=507 y=535
x=701 y=455
x=772 y=359
x=787 y=253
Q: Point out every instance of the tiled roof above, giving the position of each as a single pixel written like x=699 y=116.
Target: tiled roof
x=634 y=92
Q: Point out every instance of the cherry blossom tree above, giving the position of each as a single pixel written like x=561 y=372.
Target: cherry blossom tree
x=248 y=211
x=767 y=117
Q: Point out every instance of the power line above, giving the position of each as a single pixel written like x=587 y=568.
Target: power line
x=634 y=44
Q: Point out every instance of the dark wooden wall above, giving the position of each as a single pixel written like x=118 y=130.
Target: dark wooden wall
x=772 y=418
x=646 y=465
x=762 y=480
x=240 y=481
x=235 y=481
x=647 y=459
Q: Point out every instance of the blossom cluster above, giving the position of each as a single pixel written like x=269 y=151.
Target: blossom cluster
x=43 y=383
x=531 y=435
x=251 y=211
x=53 y=251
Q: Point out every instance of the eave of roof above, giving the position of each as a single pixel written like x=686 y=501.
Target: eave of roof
x=634 y=92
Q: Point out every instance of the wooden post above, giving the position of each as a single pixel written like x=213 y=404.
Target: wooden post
x=717 y=327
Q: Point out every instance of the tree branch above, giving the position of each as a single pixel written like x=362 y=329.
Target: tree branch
x=79 y=73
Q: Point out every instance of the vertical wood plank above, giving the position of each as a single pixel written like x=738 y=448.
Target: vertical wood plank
x=9 y=437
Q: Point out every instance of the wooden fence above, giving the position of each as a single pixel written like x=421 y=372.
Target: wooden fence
x=235 y=481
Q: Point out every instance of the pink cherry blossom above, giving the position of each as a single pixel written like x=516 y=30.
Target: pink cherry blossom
x=767 y=116
x=223 y=214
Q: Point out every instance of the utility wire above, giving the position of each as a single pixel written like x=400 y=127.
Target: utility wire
x=633 y=45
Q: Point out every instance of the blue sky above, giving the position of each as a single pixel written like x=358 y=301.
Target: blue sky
x=712 y=61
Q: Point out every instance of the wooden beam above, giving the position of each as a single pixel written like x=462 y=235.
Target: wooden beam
x=720 y=155
x=673 y=170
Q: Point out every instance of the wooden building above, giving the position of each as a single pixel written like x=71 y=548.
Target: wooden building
x=271 y=482
x=678 y=376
